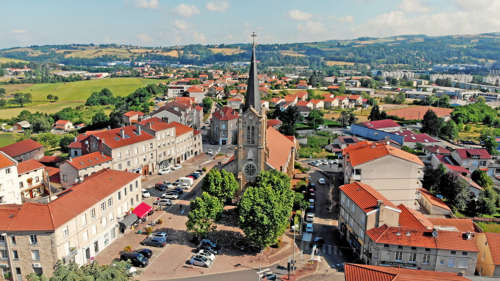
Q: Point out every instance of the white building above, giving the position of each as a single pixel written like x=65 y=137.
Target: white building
x=9 y=186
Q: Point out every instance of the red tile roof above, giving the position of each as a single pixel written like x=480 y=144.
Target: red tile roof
x=364 y=196
x=180 y=129
x=273 y=122
x=462 y=225
x=315 y=101
x=112 y=138
x=362 y=272
x=301 y=94
x=62 y=122
x=50 y=159
x=418 y=112
x=413 y=219
x=88 y=160
x=279 y=147
x=132 y=113
x=410 y=136
x=381 y=124
x=195 y=89
x=404 y=236
x=6 y=161
x=436 y=149
x=469 y=153
x=155 y=124
x=185 y=100
x=69 y=204
x=367 y=152
x=20 y=148
x=51 y=171
x=494 y=244
x=28 y=166
x=225 y=113
x=433 y=199
x=448 y=162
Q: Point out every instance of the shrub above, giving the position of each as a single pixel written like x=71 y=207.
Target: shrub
x=149 y=230
x=127 y=249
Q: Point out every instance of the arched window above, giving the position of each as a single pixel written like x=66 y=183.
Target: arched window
x=249 y=136
x=253 y=135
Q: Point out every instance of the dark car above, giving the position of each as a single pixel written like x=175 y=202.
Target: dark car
x=136 y=259
x=145 y=252
x=200 y=172
x=178 y=190
x=154 y=242
x=209 y=245
x=160 y=186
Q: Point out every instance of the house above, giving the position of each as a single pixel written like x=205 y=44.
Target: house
x=224 y=126
x=306 y=104
x=363 y=272
x=363 y=208
x=433 y=205
x=234 y=103
x=9 y=191
x=331 y=102
x=74 y=227
x=356 y=100
x=24 y=150
x=303 y=85
x=76 y=147
x=343 y=101
x=472 y=158
x=75 y=170
x=180 y=111
x=31 y=178
x=411 y=139
x=62 y=126
x=344 y=141
x=131 y=117
x=488 y=261
x=386 y=125
x=21 y=126
x=302 y=95
x=317 y=104
x=196 y=92
x=394 y=173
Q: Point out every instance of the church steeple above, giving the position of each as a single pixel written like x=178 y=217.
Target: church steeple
x=253 y=96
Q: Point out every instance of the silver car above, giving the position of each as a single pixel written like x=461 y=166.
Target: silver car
x=163 y=202
x=170 y=195
x=200 y=261
x=206 y=254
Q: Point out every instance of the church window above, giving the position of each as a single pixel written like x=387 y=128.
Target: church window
x=253 y=135
x=250 y=169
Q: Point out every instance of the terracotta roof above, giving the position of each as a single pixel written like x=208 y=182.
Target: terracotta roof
x=51 y=171
x=195 y=89
x=273 y=122
x=410 y=136
x=155 y=124
x=463 y=225
x=436 y=149
x=112 y=138
x=362 y=272
x=62 y=122
x=69 y=204
x=180 y=129
x=494 y=244
x=354 y=97
x=418 y=112
x=315 y=101
x=28 y=166
x=381 y=124
x=6 y=161
x=301 y=94
x=433 y=199
x=470 y=153
x=279 y=147
x=364 y=196
x=88 y=160
x=50 y=159
x=132 y=113
x=404 y=236
x=371 y=151
x=21 y=147
x=289 y=98
x=225 y=113
x=413 y=219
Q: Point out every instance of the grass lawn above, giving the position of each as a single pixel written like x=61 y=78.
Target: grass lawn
x=6 y=138
x=70 y=94
x=489 y=227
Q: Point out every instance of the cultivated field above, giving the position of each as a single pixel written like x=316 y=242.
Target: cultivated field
x=7 y=60
x=226 y=51
x=334 y=63
x=70 y=94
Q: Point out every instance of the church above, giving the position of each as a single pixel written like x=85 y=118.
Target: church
x=260 y=147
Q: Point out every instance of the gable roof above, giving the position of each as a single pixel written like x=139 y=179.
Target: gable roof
x=364 y=196
x=494 y=244
x=367 y=152
x=21 y=147
x=279 y=147
x=469 y=153
x=413 y=219
x=436 y=149
x=410 y=136
x=462 y=225
x=433 y=199
x=381 y=124
x=132 y=113
x=113 y=139
x=88 y=160
x=69 y=204
x=362 y=272
x=225 y=113
x=155 y=124
x=180 y=129
x=28 y=166
x=273 y=122
x=6 y=161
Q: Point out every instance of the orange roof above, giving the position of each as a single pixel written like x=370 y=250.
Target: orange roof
x=290 y=98
x=195 y=89
x=185 y=100
x=273 y=122
x=315 y=101
x=132 y=113
x=113 y=139
x=413 y=219
x=371 y=151
x=301 y=94
x=69 y=204
x=28 y=166
x=463 y=225
x=405 y=236
x=180 y=129
x=433 y=199
x=279 y=147
x=418 y=112
x=88 y=160
x=364 y=196
x=362 y=272
x=6 y=161
x=494 y=244
x=62 y=122
x=21 y=147
x=155 y=124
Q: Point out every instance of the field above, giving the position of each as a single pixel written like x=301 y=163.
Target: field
x=7 y=60
x=226 y=51
x=334 y=63
x=70 y=94
x=6 y=139
x=291 y=54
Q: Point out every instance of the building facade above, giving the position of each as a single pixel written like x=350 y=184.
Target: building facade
x=24 y=150
x=224 y=126
x=76 y=169
x=9 y=186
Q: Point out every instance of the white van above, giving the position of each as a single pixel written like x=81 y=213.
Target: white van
x=189 y=181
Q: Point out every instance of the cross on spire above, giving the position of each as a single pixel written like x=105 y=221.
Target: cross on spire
x=253 y=96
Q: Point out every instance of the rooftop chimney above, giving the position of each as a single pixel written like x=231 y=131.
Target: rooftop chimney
x=122 y=133
x=380 y=205
x=138 y=129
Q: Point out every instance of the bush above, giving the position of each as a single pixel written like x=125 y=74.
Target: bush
x=127 y=249
x=148 y=230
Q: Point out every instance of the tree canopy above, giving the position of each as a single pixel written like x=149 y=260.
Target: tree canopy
x=117 y=271
x=221 y=184
x=204 y=211
x=431 y=124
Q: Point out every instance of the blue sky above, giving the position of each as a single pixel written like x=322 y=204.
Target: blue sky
x=172 y=22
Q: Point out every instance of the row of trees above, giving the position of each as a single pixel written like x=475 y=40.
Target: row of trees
x=117 y=271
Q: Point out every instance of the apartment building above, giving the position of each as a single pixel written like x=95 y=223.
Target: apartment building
x=76 y=169
x=188 y=142
x=75 y=227
x=24 y=150
x=165 y=135
x=363 y=208
x=180 y=111
x=394 y=173
x=9 y=187
x=31 y=177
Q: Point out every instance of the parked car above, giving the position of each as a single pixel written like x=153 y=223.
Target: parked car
x=209 y=243
x=154 y=242
x=321 y=181
x=210 y=255
x=161 y=234
x=136 y=259
x=195 y=175
x=187 y=180
x=145 y=252
x=200 y=261
x=309 y=228
x=176 y=167
x=200 y=171
x=210 y=152
x=163 y=171
x=160 y=187
x=184 y=185
x=310 y=217
x=179 y=190
x=169 y=185
x=163 y=202
x=145 y=193
x=170 y=195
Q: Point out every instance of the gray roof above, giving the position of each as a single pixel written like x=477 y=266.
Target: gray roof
x=253 y=96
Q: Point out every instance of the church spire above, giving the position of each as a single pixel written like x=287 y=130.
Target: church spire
x=253 y=96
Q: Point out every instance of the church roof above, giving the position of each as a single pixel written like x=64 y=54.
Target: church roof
x=253 y=96
x=279 y=147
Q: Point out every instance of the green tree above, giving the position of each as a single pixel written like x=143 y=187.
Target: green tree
x=204 y=210
x=221 y=184
x=50 y=97
x=289 y=117
x=315 y=118
x=21 y=99
x=481 y=177
x=450 y=130
x=376 y=114
x=40 y=123
x=100 y=120
x=489 y=142
x=486 y=204
x=431 y=124
x=117 y=271
x=207 y=104
x=347 y=117
x=65 y=141
x=264 y=209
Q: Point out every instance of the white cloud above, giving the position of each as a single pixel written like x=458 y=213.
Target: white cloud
x=299 y=15
x=413 y=6
x=18 y=31
x=186 y=10
x=147 y=4
x=312 y=27
x=220 y=6
x=180 y=24
x=346 y=19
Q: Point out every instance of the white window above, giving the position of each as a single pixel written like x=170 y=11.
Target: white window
x=85 y=235
x=35 y=255
x=84 y=219
x=426 y=259
x=413 y=258
x=33 y=239
x=399 y=256
x=7 y=171
x=92 y=212
x=66 y=231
